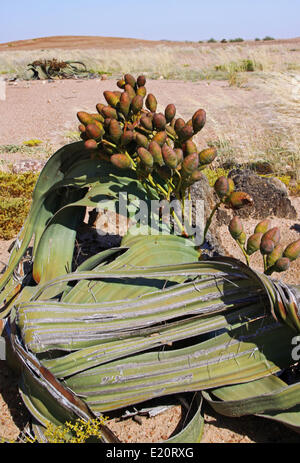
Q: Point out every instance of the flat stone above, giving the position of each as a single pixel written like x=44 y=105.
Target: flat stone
x=270 y=197
x=23 y=166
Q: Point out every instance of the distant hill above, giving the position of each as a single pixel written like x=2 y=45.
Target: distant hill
x=81 y=42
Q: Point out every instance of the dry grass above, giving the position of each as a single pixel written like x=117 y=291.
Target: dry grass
x=270 y=131
x=184 y=62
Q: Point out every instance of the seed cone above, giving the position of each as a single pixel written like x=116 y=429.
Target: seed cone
x=235 y=227
x=266 y=245
x=151 y=102
x=273 y=234
x=137 y=104
x=186 y=133
x=275 y=255
x=141 y=91
x=98 y=117
x=292 y=251
x=121 y=161
x=189 y=164
x=146 y=157
x=169 y=156
x=130 y=80
x=196 y=176
x=263 y=226
x=111 y=98
x=155 y=150
x=106 y=123
x=282 y=264
x=109 y=112
x=141 y=140
x=179 y=154
x=189 y=147
x=242 y=238
x=121 y=83
x=159 y=121
x=91 y=144
x=179 y=124
x=141 y=81
x=222 y=187
x=85 y=118
x=131 y=93
x=239 y=199
x=253 y=243
x=126 y=137
x=124 y=104
x=207 y=156
x=95 y=131
x=198 y=120
x=160 y=137
x=146 y=122
x=115 y=131
x=171 y=131
x=170 y=112
x=99 y=107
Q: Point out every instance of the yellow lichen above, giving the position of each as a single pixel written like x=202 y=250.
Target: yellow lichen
x=33 y=142
x=15 y=199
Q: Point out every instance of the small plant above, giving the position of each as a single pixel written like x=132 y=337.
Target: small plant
x=55 y=69
x=212 y=40
x=79 y=432
x=33 y=142
x=268 y=38
x=238 y=39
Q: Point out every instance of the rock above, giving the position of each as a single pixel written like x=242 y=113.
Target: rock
x=270 y=197
x=279 y=184
x=202 y=191
x=20 y=167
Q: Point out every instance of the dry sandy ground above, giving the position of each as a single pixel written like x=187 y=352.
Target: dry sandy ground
x=47 y=111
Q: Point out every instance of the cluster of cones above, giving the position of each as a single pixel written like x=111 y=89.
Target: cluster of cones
x=225 y=189
x=130 y=133
x=277 y=257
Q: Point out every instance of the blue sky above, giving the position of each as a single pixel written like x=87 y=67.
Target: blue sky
x=150 y=19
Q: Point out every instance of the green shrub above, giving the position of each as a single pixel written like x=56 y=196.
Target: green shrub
x=238 y=39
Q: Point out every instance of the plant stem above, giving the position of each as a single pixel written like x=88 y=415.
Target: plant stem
x=133 y=164
x=108 y=143
x=265 y=263
x=245 y=254
x=190 y=207
x=157 y=186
